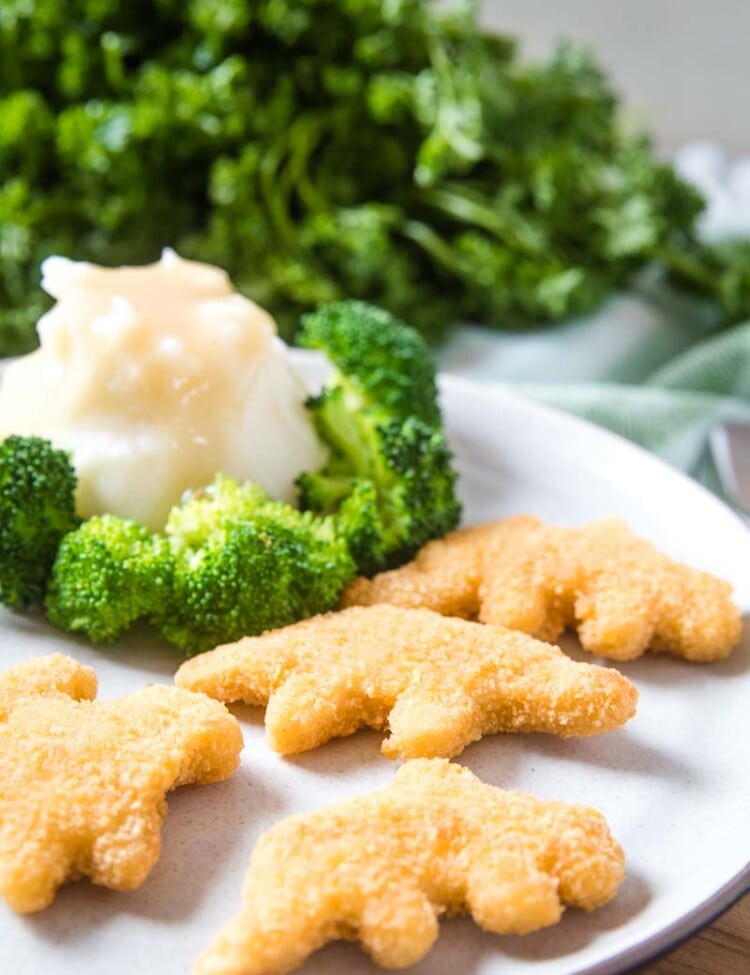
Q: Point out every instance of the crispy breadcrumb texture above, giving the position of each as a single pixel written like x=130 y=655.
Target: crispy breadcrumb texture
x=444 y=576
x=42 y=676
x=620 y=593
x=383 y=867
x=82 y=782
x=436 y=683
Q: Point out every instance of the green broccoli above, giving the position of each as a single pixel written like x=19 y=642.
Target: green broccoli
x=380 y=361
x=37 y=507
x=389 y=482
x=232 y=561
x=216 y=506
x=108 y=573
x=244 y=563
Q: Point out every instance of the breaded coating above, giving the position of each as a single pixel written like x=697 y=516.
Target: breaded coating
x=383 y=867
x=444 y=576
x=82 y=782
x=620 y=593
x=437 y=683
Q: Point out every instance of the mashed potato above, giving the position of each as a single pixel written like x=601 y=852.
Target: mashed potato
x=155 y=378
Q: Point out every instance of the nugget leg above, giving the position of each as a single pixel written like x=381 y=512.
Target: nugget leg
x=507 y=895
x=124 y=857
x=615 y=622
x=520 y=604
x=398 y=935
x=428 y=722
x=273 y=936
x=30 y=882
x=304 y=712
x=587 y=862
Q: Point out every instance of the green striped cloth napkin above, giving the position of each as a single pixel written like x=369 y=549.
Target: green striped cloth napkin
x=643 y=371
x=672 y=410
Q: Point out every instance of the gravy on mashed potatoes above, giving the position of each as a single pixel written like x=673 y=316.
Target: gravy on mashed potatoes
x=155 y=378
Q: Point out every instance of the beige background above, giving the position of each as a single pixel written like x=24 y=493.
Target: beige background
x=683 y=65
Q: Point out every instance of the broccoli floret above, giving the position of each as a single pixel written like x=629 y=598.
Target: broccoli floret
x=380 y=361
x=388 y=482
x=231 y=562
x=358 y=520
x=389 y=492
x=37 y=507
x=108 y=573
x=245 y=563
x=220 y=504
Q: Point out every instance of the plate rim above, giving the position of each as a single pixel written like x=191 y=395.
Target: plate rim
x=675 y=934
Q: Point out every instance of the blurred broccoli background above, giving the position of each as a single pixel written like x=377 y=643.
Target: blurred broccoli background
x=387 y=150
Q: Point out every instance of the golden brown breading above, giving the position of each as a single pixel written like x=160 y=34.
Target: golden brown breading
x=82 y=782
x=438 y=683
x=383 y=867
x=444 y=576
x=621 y=594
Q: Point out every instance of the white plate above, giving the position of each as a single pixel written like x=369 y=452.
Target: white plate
x=674 y=784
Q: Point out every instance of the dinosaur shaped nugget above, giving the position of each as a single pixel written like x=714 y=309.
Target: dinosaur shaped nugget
x=621 y=594
x=82 y=782
x=382 y=868
x=437 y=683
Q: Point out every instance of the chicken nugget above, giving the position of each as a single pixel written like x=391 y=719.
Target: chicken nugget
x=444 y=576
x=435 y=682
x=620 y=593
x=82 y=782
x=381 y=869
